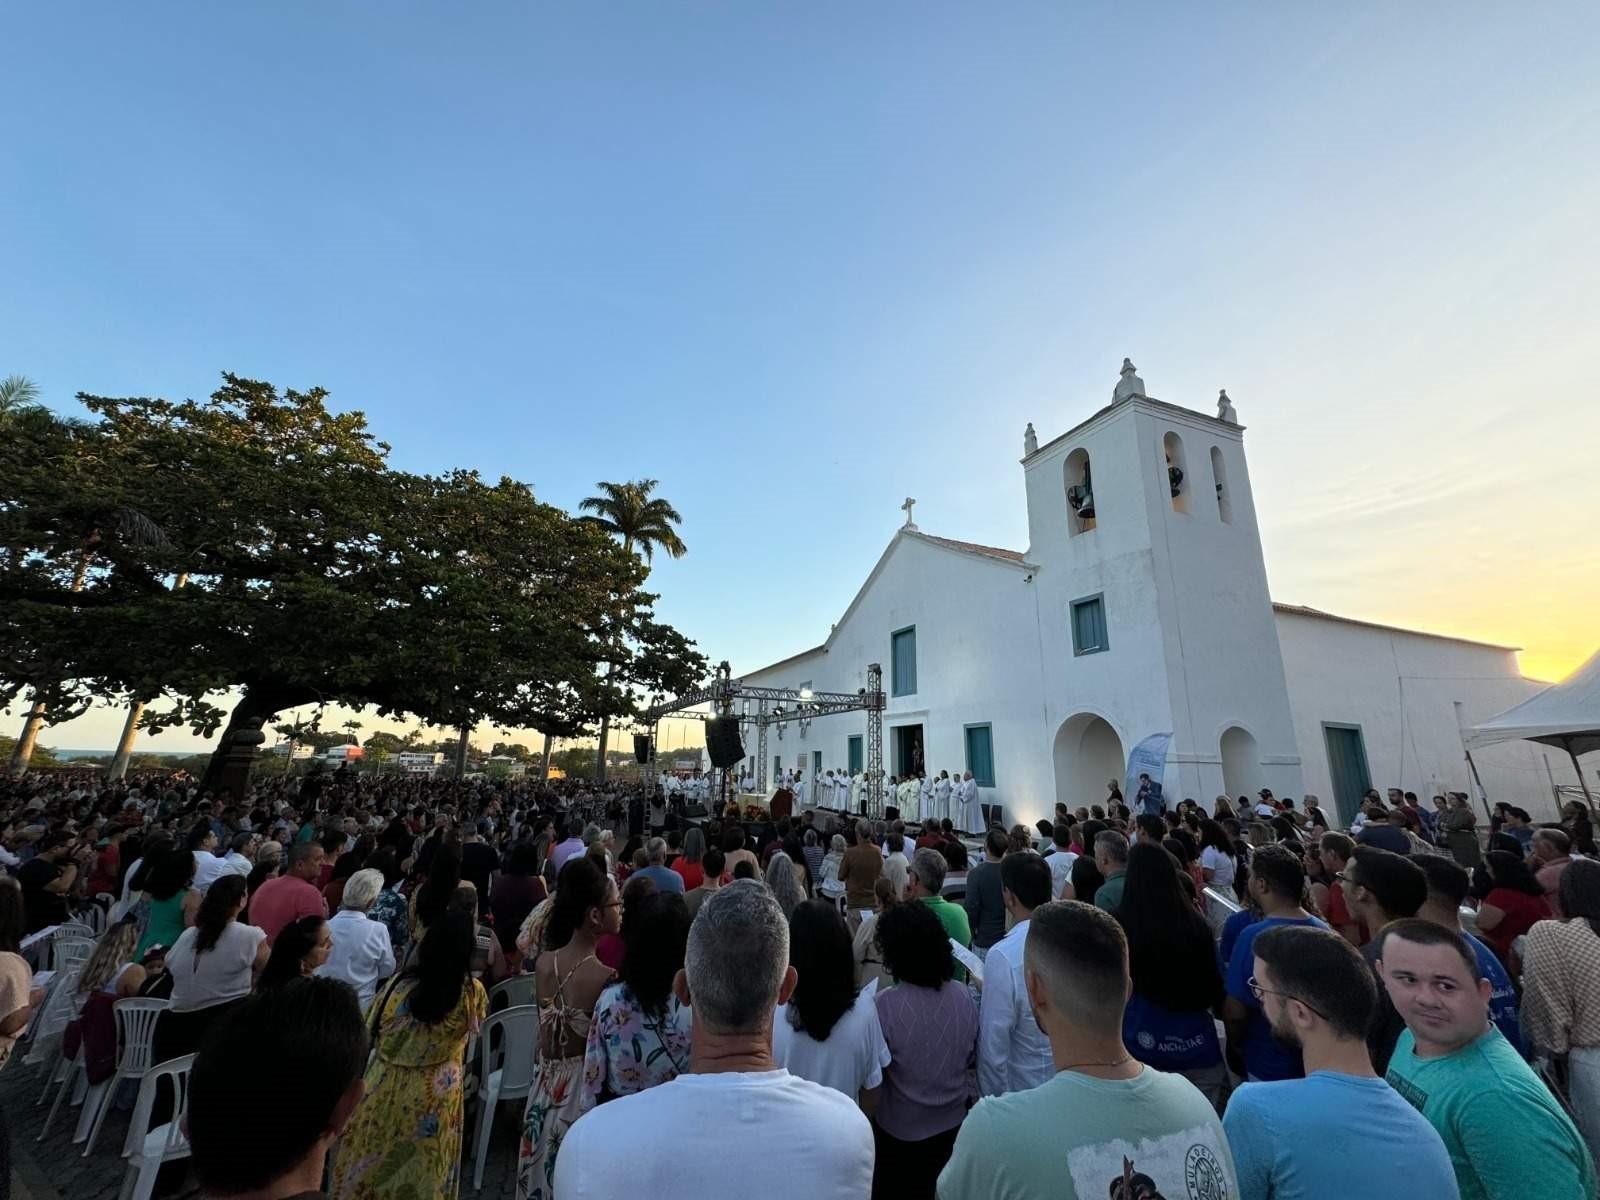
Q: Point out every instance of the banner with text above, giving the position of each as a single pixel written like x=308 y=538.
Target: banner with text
x=1149 y=757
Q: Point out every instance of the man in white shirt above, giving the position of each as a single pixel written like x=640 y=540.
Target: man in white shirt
x=208 y=868
x=362 y=954
x=1013 y=1055
x=736 y=971
x=239 y=856
x=1060 y=859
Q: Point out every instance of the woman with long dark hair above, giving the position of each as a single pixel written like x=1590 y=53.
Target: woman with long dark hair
x=925 y=1085
x=1515 y=901
x=1219 y=860
x=432 y=896
x=1169 y=1021
x=640 y=1033
x=515 y=893
x=170 y=903
x=299 y=949
x=212 y=966
x=408 y=1126
x=829 y=1032
x=569 y=978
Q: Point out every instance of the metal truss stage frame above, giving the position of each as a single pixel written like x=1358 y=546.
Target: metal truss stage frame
x=763 y=708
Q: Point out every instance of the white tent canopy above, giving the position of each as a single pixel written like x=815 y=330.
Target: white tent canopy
x=1566 y=714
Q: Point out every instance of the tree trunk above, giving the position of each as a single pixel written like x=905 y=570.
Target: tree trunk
x=461 y=752
x=229 y=768
x=130 y=730
x=544 y=769
x=27 y=740
x=29 y=737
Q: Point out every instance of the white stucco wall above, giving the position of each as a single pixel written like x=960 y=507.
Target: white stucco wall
x=977 y=663
x=1401 y=689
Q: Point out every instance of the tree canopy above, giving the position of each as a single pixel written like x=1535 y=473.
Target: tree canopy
x=316 y=574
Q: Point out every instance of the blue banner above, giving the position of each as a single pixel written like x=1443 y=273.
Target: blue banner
x=1149 y=757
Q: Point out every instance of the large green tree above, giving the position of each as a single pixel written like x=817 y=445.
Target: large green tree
x=316 y=575
x=645 y=523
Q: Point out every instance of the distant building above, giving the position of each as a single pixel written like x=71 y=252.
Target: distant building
x=342 y=754
x=300 y=751
x=418 y=762
x=504 y=764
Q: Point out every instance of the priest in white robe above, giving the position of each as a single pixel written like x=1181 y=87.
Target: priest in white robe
x=909 y=799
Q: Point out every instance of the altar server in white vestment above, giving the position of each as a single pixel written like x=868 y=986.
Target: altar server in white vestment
x=924 y=796
x=909 y=800
x=941 y=796
x=971 y=813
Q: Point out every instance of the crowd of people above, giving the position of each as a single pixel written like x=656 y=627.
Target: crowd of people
x=873 y=1008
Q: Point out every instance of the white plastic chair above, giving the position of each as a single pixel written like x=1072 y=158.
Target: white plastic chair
x=518 y=990
x=136 y=1031
x=74 y=929
x=55 y=1014
x=69 y=952
x=145 y=1148
x=506 y=1070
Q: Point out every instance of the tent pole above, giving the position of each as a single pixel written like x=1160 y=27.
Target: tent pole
x=1483 y=796
x=1582 y=782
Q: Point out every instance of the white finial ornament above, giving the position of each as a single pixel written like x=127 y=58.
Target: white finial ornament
x=1129 y=385
x=910 y=524
x=1030 y=440
x=1225 y=409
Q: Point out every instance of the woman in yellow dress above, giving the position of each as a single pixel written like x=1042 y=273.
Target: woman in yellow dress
x=404 y=1142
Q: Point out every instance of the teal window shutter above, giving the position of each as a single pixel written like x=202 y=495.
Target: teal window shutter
x=1089 y=625
x=980 y=754
x=903 y=662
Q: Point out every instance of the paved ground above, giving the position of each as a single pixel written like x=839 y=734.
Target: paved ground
x=55 y=1169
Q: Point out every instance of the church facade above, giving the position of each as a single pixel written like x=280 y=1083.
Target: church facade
x=1141 y=607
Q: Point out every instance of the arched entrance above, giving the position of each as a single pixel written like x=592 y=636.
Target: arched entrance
x=1088 y=753
x=1241 y=762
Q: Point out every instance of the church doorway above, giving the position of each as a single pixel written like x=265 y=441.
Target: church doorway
x=1088 y=754
x=1241 y=763
x=908 y=755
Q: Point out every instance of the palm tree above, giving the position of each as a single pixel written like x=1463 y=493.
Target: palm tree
x=626 y=510
x=18 y=395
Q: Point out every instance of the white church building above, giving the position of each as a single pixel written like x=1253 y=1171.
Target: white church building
x=1139 y=607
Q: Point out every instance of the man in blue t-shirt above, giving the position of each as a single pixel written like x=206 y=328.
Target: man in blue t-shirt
x=1448 y=883
x=1342 y=1129
x=1277 y=881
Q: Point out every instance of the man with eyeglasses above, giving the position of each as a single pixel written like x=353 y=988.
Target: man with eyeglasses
x=1277 y=881
x=1341 y=1129
x=1381 y=888
x=1508 y=1138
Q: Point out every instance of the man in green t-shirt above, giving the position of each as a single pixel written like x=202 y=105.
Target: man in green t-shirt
x=1106 y=1124
x=925 y=883
x=1111 y=859
x=1507 y=1136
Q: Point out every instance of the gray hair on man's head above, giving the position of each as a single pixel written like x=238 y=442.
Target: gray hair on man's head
x=736 y=958
x=864 y=830
x=656 y=850
x=1112 y=845
x=361 y=889
x=591 y=834
x=928 y=866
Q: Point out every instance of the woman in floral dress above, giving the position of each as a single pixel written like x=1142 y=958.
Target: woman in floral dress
x=640 y=1034
x=568 y=980
x=404 y=1142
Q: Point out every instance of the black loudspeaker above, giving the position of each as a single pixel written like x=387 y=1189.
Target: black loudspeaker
x=722 y=742
x=891 y=813
x=641 y=747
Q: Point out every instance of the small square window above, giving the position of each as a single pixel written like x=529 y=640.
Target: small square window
x=1089 y=625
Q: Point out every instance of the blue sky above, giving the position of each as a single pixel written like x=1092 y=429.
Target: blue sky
x=799 y=262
